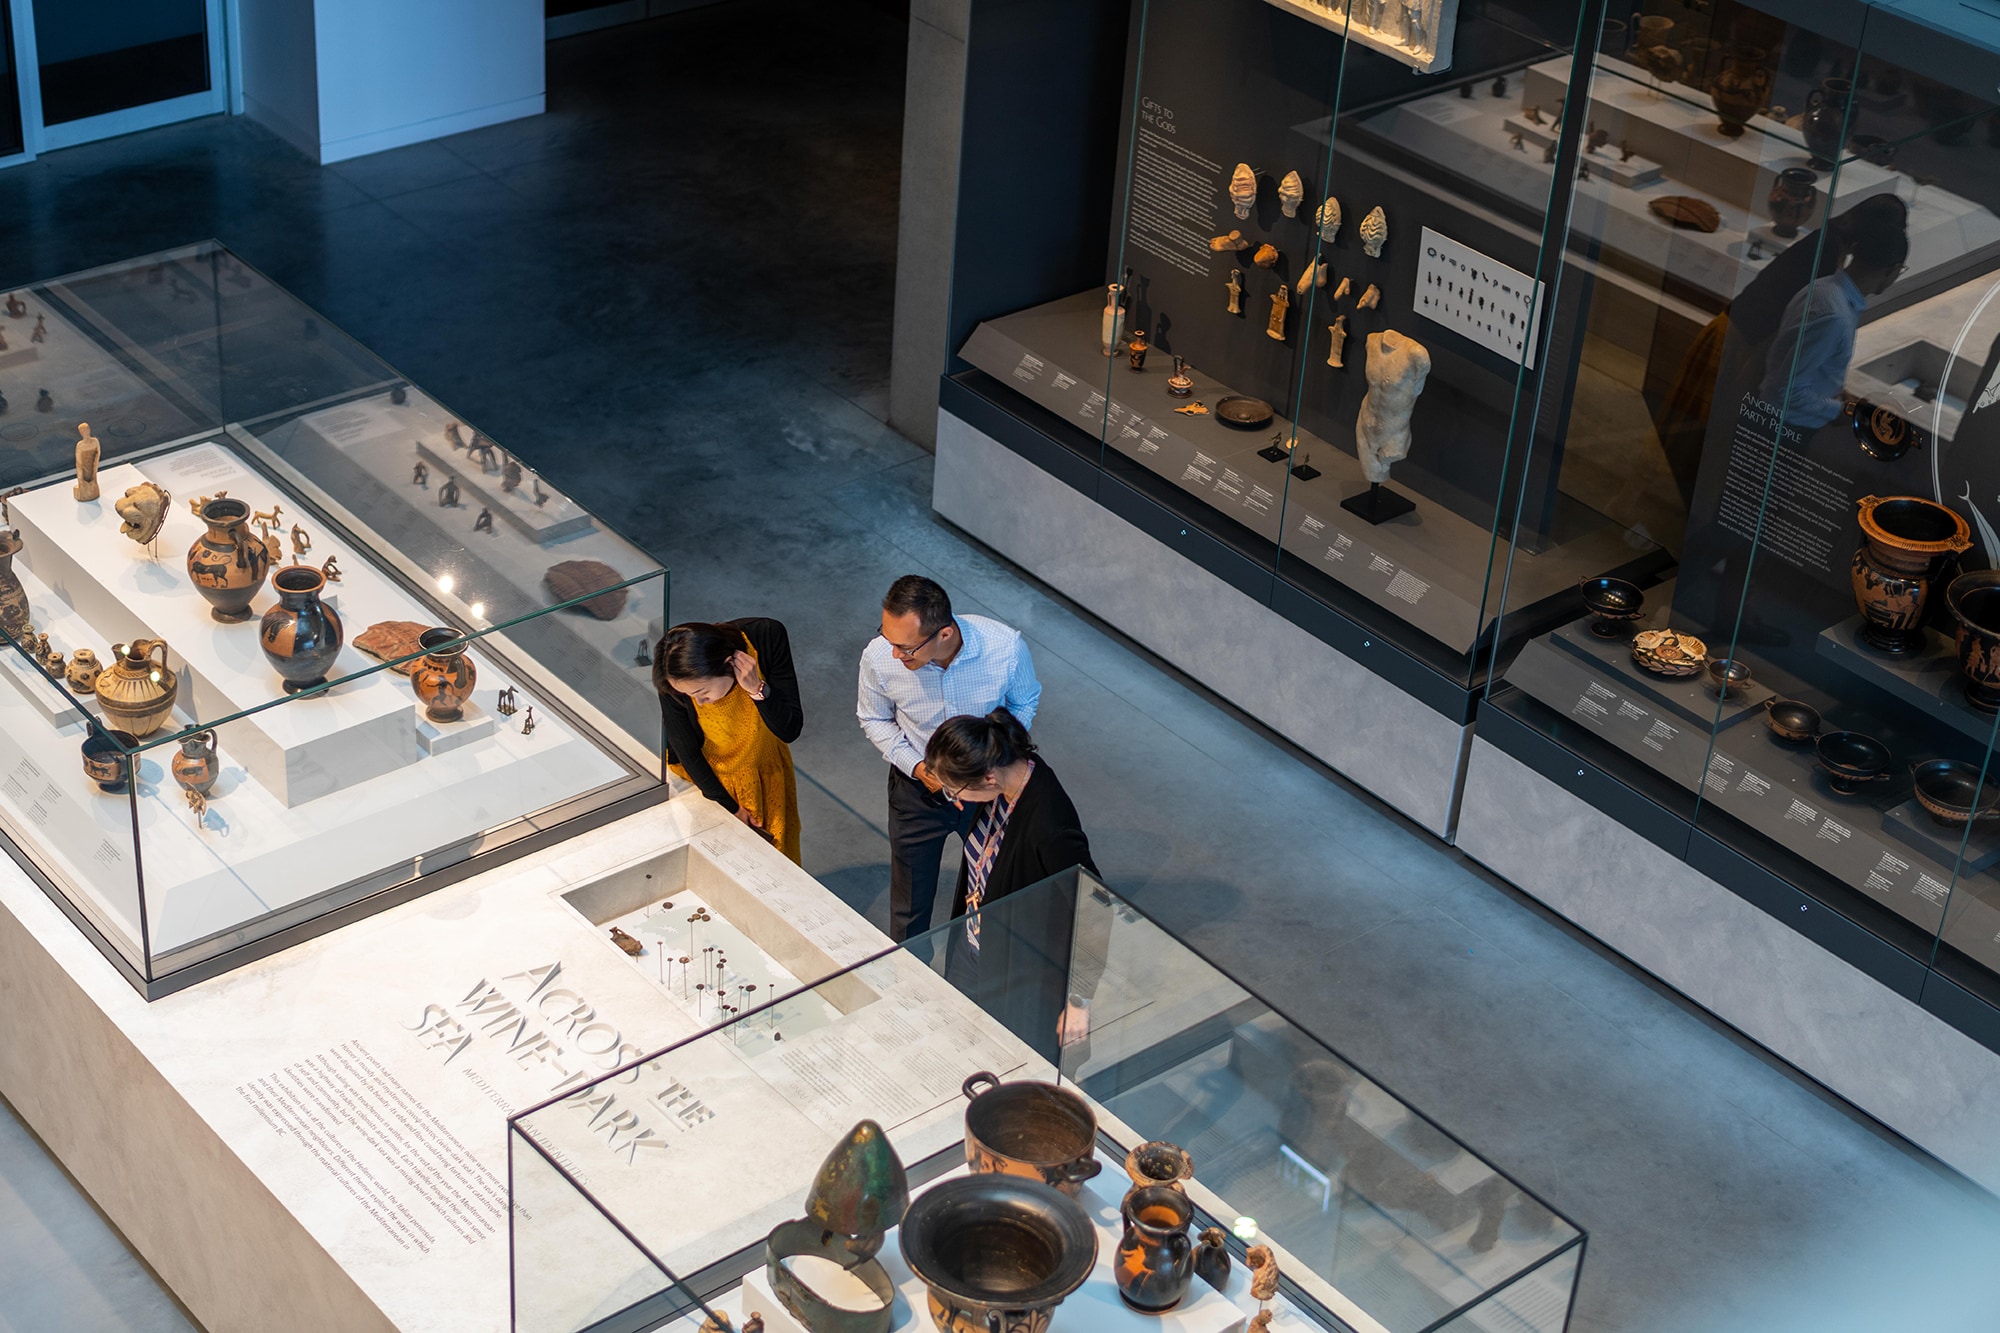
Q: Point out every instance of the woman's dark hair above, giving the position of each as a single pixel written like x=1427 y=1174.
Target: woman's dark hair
x=695 y=651
x=965 y=749
x=914 y=592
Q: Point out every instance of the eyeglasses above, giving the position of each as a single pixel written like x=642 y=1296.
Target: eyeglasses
x=900 y=651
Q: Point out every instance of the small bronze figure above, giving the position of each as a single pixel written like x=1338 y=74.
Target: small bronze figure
x=16 y=307
x=448 y=494
x=510 y=476
x=484 y=523
x=540 y=497
x=528 y=722
x=44 y=403
x=41 y=333
x=452 y=437
x=421 y=476
x=508 y=703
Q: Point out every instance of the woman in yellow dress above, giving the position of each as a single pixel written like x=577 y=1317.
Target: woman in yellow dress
x=729 y=707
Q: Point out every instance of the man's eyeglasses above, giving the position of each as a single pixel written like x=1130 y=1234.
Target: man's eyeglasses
x=900 y=651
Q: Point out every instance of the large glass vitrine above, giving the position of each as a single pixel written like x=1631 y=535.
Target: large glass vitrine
x=1319 y=334
x=1784 y=342
x=284 y=639
x=643 y=1199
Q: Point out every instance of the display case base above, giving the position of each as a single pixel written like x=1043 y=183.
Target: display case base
x=189 y=1119
x=1765 y=976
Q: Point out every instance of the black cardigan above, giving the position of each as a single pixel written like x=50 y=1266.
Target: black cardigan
x=1043 y=835
x=780 y=708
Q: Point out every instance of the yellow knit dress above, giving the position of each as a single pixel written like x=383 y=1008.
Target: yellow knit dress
x=752 y=764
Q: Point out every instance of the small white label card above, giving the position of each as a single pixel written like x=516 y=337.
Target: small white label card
x=1482 y=299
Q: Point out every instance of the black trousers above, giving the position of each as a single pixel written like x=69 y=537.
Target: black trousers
x=919 y=822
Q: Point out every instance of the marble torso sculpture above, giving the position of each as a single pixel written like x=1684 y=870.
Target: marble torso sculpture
x=1397 y=367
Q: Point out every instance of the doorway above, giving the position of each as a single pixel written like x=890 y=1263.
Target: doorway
x=74 y=73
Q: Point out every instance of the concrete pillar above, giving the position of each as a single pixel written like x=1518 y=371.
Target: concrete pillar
x=343 y=78
x=933 y=114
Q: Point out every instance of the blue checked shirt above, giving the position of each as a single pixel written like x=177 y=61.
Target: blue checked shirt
x=900 y=708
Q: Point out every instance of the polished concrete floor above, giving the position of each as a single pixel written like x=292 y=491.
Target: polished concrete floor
x=672 y=295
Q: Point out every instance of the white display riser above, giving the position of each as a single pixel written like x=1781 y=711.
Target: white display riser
x=155 y=1108
x=1916 y=1074
x=1331 y=706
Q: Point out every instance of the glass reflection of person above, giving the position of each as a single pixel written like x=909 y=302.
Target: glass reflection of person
x=1806 y=370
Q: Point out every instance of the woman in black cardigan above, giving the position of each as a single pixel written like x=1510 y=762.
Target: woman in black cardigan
x=729 y=708
x=1024 y=965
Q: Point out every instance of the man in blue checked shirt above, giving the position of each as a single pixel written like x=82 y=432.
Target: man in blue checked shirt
x=925 y=666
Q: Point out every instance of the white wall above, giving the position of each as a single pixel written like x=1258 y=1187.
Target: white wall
x=343 y=78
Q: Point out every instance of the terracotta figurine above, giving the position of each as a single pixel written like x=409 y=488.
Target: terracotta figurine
x=1374 y=232
x=88 y=451
x=1370 y=298
x=41 y=333
x=1266 y=256
x=1281 y=301
x=1329 y=219
x=1235 y=285
x=1397 y=366
x=1263 y=1267
x=1223 y=245
x=301 y=540
x=1338 y=330
x=15 y=305
x=142 y=511
x=1346 y=286
x=1242 y=189
x=330 y=571
x=1291 y=193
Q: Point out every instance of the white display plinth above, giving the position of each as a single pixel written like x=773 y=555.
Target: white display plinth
x=356 y=731
x=436 y=738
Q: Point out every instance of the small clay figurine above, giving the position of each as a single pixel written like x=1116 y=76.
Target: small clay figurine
x=1259 y=1323
x=1346 y=286
x=631 y=946
x=44 y=403
x=452 y=437
x=1374 y=232
x=1242 y=189
x=717 y=1322
x=198 y=803
x=1291 y=193
x=1533 y=115
x=510 y=477
x=1235 y=286
x=1329 y=220
x=755 y=1323
x=16 y=307
x=448 y=494
x=1136 y=348
x=1370 y=298
x=301 y=540
x=1338 y=331
x=1281 y=301
x=270 y=519
x=484 y=450
x=330 y=571
x=1263 y=1267
x=1315 y=276
x=1223 y=245
x=41 y=333
x=1266 y=256
x=420 y=475
x=484 y=523
x=541 y=497
x=528 y=722
x=507 y=704
x=1194 y=409
x=142 y=511
x=88 y=451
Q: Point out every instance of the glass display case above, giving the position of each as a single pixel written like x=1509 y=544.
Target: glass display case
x=1322 y=327
x=1788 y=335
x=637 y=1193
x=285 y=641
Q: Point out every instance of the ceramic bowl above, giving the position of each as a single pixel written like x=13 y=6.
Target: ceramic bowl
x=1951 y=791
x=1791 y=720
